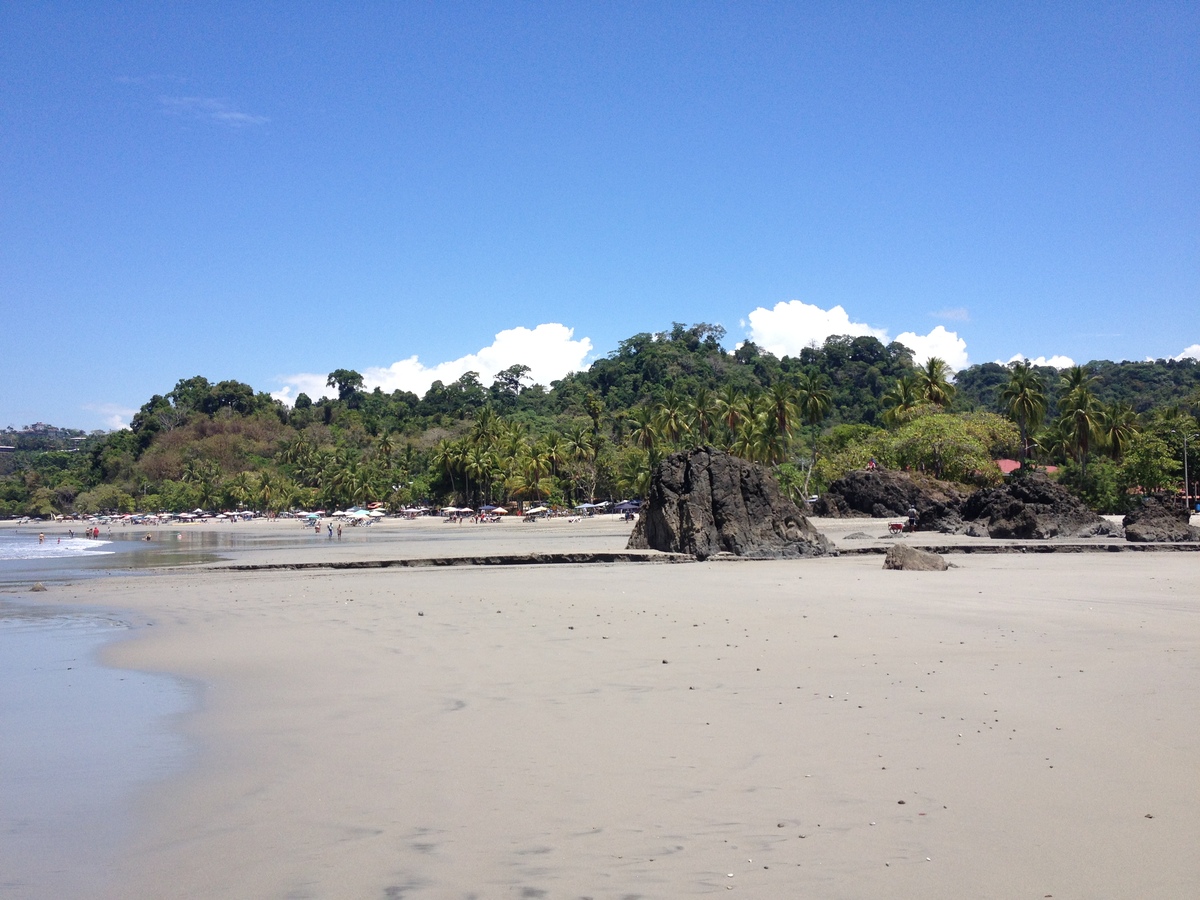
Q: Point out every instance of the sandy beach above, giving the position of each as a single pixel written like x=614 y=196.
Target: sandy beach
x=1019 y=726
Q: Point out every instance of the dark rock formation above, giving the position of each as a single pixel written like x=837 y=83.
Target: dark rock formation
x=1153 y=522
x=703 y=502
x=883 y=492
x=1032 y=506
x=908 y=558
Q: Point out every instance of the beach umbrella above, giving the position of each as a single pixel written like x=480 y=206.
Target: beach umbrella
x=376 y=513
x=536 y=509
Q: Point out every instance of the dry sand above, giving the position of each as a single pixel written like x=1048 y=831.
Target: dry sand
x=1019 y=726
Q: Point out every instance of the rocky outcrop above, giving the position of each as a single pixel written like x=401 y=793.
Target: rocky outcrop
x=1154 y=522
x=904 y=557
x=1032 y=506
x=884 y=492
x=704 y=502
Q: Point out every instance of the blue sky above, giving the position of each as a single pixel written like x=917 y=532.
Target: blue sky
x=268 y=194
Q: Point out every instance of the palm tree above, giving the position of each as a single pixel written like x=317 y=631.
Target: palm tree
x=729 y=404
x=746 y=441
x=672 y=418
x=781 y=408
x=240 y=488
x=633 y=476
x=702 y=414
x=901 y=399
x=206 y=494
x=268 y=491
x=445 y=457
x=477 y=463
x=296 y=452
x=644 y=431
x=1076 y=378
x=1080 y=411
x=1054 y=440
x=537 y=466
x=580 y=445
x=1024 y=396
x=813 y=402
x=933 y=381
x=386 y=446
x=486 y=426
x=555 y=452
x=583 y=448
x=1117 y=427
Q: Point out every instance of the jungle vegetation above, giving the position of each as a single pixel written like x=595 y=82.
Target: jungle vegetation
x=1115 y=429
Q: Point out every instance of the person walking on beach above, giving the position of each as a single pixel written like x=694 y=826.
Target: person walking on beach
x=330 y=527
x=339 y=531
x=912 y=518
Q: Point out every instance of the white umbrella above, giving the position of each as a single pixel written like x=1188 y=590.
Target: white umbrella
x=536 y=509
x=376 y=513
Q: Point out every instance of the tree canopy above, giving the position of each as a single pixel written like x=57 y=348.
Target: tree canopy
x=1115 y=428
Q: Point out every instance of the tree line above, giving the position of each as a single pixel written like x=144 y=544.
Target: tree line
x=598 y=433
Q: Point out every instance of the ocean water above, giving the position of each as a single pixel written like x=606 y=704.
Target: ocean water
x=78 y=740
x=25 y=560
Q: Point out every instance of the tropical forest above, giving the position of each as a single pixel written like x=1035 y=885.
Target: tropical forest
x=1108 y=431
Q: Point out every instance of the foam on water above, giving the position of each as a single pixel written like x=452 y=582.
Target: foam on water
x=27 y=546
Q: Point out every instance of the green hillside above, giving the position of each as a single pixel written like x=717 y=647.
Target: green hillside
x=493 y=437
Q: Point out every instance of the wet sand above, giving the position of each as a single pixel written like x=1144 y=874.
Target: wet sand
x=1019 y=726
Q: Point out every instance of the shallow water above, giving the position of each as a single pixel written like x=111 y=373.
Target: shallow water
x=25 y=560
x=79 y=740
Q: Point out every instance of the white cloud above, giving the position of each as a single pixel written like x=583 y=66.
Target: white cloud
x=549 y=350
x=941 y=343
x=1058 y=361
x=958 y=314
x=113 y=415
x=210 y=109
x=302 y=383
x=789 y=327
x=1192 y=352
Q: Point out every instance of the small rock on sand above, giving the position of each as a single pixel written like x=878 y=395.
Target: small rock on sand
x=910 y=559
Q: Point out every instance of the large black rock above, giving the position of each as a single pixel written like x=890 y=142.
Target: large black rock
x=1032 y=506
x=1153 y=522
x=885 y=492
x=703 y=502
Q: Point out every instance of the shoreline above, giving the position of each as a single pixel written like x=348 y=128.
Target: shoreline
x=613 y=729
